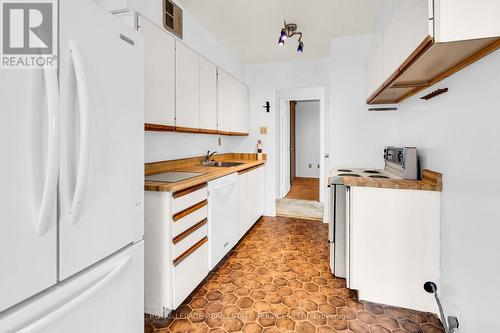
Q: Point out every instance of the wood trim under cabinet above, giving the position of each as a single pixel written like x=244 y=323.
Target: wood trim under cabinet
x=186 y=191
x=187 y=129
x=158 y=128
x=189 y=251
x=239 y=134
x=208 y=131
x=189 y=231
x=250 y=169
x=189 y=210
x=223 y=132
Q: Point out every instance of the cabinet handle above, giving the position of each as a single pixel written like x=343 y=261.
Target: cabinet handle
x=189 y=251
x=189 y=231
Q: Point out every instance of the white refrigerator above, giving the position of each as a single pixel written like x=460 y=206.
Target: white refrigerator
x=71 y=182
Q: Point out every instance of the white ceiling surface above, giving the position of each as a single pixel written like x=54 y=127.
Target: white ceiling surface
x=250 y=28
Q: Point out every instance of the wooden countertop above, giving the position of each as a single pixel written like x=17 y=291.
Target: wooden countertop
x=431 y=181
x=194 y=165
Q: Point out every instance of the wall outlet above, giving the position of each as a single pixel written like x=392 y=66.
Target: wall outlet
x=263 y=130
x=219 y=141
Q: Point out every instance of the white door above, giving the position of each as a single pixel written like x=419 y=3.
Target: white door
x=187 y=87
x=208 y=95
x=224 y=101
x=159 y=74
x=285 y=148
x=102 y=171
x=107 y=298
x=28 y=243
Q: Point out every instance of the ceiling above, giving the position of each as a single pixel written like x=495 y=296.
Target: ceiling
x=250 y=28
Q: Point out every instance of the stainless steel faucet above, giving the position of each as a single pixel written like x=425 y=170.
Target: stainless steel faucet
x=207 y=157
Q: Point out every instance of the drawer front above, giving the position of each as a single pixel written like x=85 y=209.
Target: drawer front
x=187 y=198
x=184 y=222
x=190 y=239
x=190 y=272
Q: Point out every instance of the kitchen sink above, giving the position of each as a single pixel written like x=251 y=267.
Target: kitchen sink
x=221 y=164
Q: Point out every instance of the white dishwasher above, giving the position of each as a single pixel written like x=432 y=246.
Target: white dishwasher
x=222 y=217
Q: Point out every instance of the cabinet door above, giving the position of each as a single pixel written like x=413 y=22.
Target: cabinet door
x=261 y=191
x=414 y=25
x=239 y=121
x=208 y=95
x=225 y=97
x=187 y=87
x=378 y=65
x=243 y=205
x=392 y=59
x=159 y=70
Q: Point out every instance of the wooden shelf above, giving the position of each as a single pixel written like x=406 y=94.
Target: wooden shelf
x=167 y=128
x=430 y=63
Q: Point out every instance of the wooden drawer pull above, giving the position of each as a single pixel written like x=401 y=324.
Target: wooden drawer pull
x=189 y=210
x=182 y=193
x=189 y=251
x=189 y=231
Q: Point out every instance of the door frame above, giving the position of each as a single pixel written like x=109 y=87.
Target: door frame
x=293 y=143
x=301 y=94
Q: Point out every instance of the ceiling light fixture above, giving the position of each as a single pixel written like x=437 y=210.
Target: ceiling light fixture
x=290 y=30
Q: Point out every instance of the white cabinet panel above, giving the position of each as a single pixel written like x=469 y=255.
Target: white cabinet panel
x=251 y=198
x=465 y=19
x=225 y=100
x=208 y=95
x=187 y=87
x=239 y=120
x=414 y=25
x=378 y=66
x=391 y=59
x=243 y=204
x=112 y=5
x=159 y=73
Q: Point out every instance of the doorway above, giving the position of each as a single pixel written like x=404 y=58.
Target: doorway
x=304 y=150
x=302 y=142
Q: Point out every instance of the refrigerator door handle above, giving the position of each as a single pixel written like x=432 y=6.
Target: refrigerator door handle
x=69 y=306
x=83 y=160
x=52 y=166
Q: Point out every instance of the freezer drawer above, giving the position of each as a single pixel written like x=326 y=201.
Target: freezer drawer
x=109 y=297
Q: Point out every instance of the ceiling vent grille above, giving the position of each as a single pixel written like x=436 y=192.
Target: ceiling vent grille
x=172 y=18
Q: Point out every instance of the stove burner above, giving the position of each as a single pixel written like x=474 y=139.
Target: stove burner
x=349 y=175
x=344 y=170
x=379 y=176
x=371 y=171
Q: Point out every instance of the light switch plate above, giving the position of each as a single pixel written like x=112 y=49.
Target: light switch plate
x=263 y=130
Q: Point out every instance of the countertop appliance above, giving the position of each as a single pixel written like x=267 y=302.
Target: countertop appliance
x=72 y=177
x=223 y=228
x=400 y=163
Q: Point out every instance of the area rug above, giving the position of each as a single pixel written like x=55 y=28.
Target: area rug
x=304 y=209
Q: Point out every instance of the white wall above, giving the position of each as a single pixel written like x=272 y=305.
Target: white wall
x=458 y=134
x=356 y=137
x=307 y=139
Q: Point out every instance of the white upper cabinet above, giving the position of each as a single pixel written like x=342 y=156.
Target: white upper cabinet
x=375 y=69
x=112 y=5
x=466 y=19
x=225 y=101
x=239 y=116
x=159 y=74
x=415 y=24
x=392 y=58
x=208 y=95
x=187 y=87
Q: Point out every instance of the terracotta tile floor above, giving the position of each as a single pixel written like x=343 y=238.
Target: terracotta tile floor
x=277 y=279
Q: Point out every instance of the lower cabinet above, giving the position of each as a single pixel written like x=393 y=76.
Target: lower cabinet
x=185 y=233
x=176 y=246
x=251 y=198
